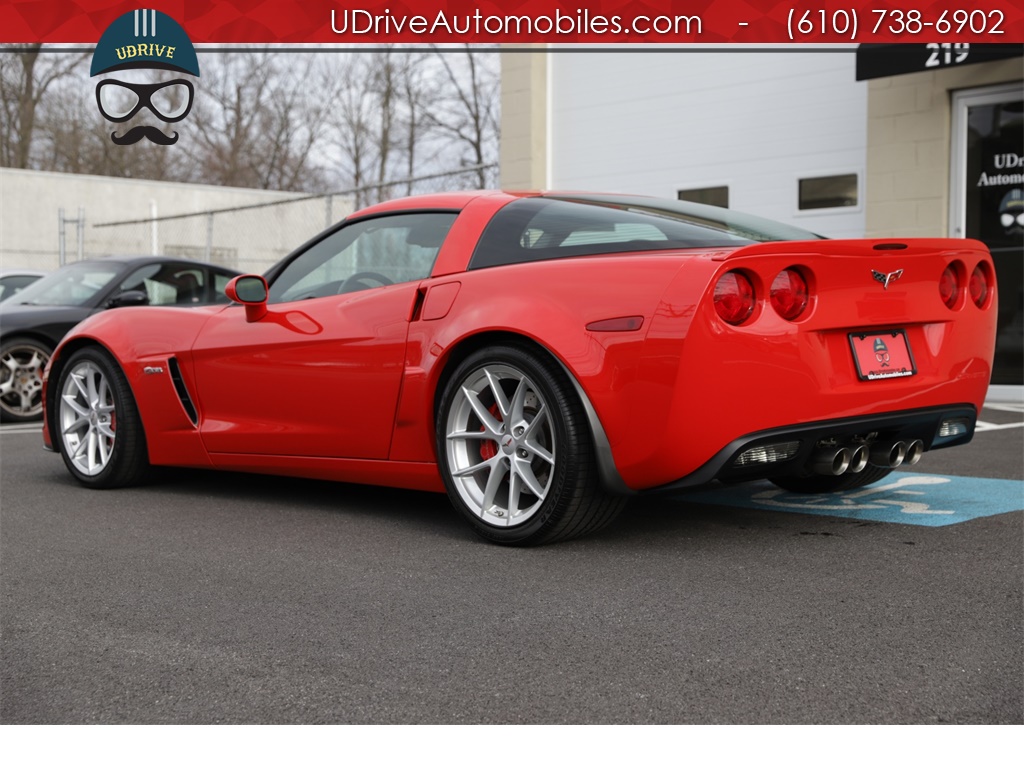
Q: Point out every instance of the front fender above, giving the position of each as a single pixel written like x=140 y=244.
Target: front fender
x=142 y=341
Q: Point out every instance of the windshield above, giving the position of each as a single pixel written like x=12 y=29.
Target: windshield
x=72 y=286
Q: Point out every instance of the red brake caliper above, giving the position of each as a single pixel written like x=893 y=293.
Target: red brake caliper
x=489 y=448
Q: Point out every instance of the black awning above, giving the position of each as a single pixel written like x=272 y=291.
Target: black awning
x=888 y=59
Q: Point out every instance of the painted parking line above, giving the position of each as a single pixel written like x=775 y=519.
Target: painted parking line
x=1006 y=407
x=903 y=497
x=987 y=426
x=994 y=408
x=21 y=429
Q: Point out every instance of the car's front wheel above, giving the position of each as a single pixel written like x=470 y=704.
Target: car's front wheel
x=97 y=422
x=21 y=379
x=515 y=451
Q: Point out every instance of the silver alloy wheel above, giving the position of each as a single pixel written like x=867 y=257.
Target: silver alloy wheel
x=21 y=379
x=500 y=445
x=87 y=418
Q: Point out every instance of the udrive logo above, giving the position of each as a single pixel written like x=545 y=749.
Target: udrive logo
x=153 y=43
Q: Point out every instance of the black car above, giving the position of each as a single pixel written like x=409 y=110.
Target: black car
x=34 y=321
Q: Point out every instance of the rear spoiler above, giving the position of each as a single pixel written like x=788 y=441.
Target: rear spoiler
x=944 y=246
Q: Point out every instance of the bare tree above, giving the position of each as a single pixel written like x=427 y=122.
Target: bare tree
x=352 y=127
x=373 y=121
x=384 y=86
x=25 y=78
x=371 y=125
x=257 y=124
x=417 y=96
x=387 y=118
x=468 y=111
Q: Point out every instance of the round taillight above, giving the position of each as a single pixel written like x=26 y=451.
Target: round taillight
x=979 y=285
x=734 y=297
x=789 y=294
x=949 y=287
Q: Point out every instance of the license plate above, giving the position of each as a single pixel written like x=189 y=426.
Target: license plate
x=882 y=355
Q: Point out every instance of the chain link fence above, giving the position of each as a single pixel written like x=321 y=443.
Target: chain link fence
x=252 y=238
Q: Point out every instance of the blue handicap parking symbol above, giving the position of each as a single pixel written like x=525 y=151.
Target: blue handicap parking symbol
x=902 y=497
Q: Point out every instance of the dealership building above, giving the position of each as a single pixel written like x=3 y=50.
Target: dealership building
x=847 y=141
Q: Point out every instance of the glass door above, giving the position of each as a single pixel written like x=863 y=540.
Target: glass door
x=987 y=203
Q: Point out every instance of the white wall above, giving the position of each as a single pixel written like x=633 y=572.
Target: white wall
x=250 y=239
x=653 y=123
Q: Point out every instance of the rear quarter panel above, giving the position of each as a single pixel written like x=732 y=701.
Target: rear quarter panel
x=550 y=303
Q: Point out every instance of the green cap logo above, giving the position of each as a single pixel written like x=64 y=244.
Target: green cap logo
x=144 y=39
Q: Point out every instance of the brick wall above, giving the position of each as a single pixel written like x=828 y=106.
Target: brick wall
x=908 y=154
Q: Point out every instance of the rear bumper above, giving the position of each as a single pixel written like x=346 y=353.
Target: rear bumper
x=933 y=426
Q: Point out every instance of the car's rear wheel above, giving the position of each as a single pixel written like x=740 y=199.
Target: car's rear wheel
x=97 y=422
x=515 y=452
x=21 y=379
x=832 y=483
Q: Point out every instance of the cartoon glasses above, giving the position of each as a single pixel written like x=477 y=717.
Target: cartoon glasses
x=120 y=102
x=1008 y=220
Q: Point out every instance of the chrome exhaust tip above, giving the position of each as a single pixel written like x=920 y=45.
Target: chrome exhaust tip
x=898 y=454
x=859 y=459
x=914 y=453
x=890 y=456
x=832 y=461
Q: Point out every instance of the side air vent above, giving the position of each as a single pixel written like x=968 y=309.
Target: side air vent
x=182 y=390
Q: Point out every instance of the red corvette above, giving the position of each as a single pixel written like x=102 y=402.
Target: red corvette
x=542 y=356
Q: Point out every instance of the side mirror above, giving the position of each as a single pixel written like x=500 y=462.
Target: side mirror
x=129 y=299
x=251 y=292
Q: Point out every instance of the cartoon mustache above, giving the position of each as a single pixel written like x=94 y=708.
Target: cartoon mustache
x=140 y=132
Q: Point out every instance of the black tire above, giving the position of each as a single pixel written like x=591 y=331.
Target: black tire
x=542 y=446
x=22 y=362
x=832 y=483
x=96 y=422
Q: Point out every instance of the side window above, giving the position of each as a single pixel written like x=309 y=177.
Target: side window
x=365 y=254
x=220 y=282
x=718 y=196
x=166 y=284
x=828 y=192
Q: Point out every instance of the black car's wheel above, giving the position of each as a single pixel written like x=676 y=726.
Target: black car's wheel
x=21 y=379
x=97 y=422
x=832 y=483
x=515 y=451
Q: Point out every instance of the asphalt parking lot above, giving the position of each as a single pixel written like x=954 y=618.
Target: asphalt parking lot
x=223 y=598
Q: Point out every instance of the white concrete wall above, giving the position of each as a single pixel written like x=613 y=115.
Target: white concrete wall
x=248 y=240
x=654 y=123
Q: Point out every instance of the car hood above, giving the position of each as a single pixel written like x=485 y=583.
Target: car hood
x=24 y=316
x=21 y=315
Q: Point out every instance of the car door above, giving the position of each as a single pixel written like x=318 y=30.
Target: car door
x=320 y=374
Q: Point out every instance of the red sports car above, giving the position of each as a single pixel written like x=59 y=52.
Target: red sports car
x=541 y=357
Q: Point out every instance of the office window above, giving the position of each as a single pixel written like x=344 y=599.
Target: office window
x=707 y=195
x=828 y=192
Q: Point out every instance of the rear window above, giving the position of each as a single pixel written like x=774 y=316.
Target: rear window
x=541 y=228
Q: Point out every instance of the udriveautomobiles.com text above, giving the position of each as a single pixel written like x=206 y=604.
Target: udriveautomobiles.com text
x=361 y=22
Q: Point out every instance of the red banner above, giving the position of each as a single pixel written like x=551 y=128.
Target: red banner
x=554 y=22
